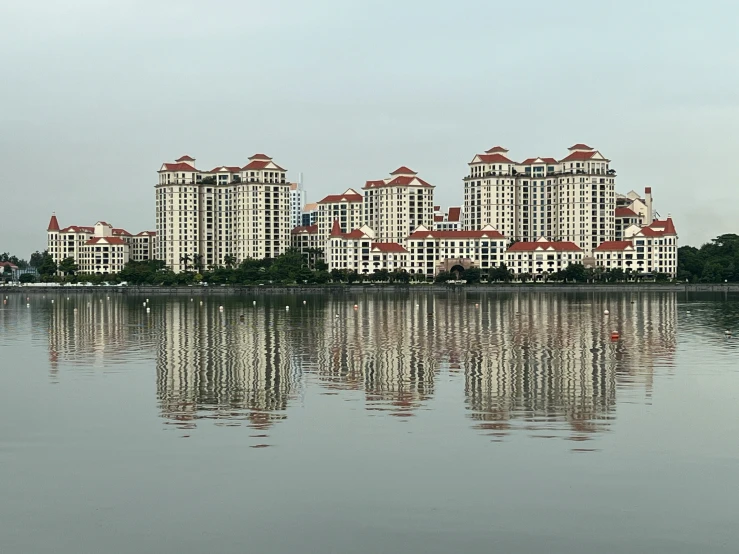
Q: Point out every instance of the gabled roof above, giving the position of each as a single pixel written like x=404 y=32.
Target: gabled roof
x=491 y=159
x=615 y=245
x=455 y=214
x=496 y=150
x=226 y=169
x=422 y=233
x=543 y=245
x=389 y=247
x=355 y=234
x=146 y=234
x=176 y=167
x=120 y=232
x=350 y=195
x=578 y=156
x=538 y=161
x=11 y=265
x=626 y=212
x=659 y=228
x=305 y=229
x=580 y=146
x=259 y=157
x=403 y=170
x=53 y=223
x=399 y=181
x=310 y=206
x=261 y=164
x=185 y=158
x=106 y=240
x=78 y=229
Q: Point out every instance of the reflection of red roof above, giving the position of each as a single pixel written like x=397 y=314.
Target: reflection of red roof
x=403 y=170
x=348 y=196
x=108 y=240
x=579 y=146
x=455 y=234
x=578 y=156
x=532 y=246
x=494 y=158
x=185 y=158
x=53 y=224
x=615 y=245
x=389 y=247
x=305 y=229
x=625 y=212
x=177 y=167
x=530 y=161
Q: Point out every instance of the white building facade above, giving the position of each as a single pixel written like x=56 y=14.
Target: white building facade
x=346 y=208
x=542 y=257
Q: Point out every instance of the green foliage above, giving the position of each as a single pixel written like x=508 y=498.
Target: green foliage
x=500 y=274
x=36 y=259
x=714 y=262
x=7 y=257
x=576 y=273
x=68 y=266
x=471 y=275
x=443 y=277
x=47 y=267
x=27 y=278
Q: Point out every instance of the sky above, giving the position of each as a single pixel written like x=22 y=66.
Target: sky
x=95 y=95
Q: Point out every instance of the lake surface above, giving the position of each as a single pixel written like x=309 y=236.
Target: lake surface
x=417 y=422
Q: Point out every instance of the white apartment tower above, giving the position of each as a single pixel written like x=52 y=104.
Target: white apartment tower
x=239 y=212
x=297 y=201
x=346 y=208
x=394 y=207
x=571 y=199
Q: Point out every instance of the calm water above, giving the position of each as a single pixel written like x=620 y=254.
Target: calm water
x=459 y=422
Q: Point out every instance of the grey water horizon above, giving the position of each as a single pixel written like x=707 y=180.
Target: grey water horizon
x=388 y=422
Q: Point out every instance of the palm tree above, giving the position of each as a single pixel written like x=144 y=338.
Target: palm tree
x=229 y=260
x=185 y=260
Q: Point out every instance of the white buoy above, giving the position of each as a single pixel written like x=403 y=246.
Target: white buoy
x=254 y=303
x=727 y=332
x=304 y=302
x=220 y=308
x=606 y=312
x=201 y=302
x=190 y=299
x=147 y=300
x=144 y=304
x=287 y=308
x=148 y=310
x=28 y=305
x=337 y=315
x=52 y=300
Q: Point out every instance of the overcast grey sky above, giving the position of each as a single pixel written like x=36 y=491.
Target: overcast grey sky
x=96 y=94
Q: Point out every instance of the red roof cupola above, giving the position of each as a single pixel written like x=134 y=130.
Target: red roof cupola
x=53 y=223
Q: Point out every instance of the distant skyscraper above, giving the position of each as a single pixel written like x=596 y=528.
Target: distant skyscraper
x=297 y=201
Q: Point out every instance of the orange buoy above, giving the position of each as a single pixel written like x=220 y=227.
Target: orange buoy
x=614 y=335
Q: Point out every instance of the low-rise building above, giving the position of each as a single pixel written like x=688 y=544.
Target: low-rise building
x=431 y=252
x=645 y=251
x=451 y=220
x=357 y=251
x=306 y=239
x=80 y=243
x=542 y=257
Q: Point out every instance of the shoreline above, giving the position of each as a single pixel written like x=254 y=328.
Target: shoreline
x=368 y=288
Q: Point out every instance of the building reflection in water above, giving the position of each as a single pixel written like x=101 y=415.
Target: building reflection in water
x=538 y=363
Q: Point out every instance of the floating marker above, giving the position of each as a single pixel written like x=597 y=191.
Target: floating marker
x=254 y=303
x=148 y=310
x=606 y=312
x=220 y=308
x=28 y=305
x=356 y=307
x=201 y=302
x=144 y=303
x=304 y=302
x=614 y=335
x=52 y=300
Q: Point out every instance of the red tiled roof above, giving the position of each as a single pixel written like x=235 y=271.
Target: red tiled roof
x=530 y=161
x=309 y=229
x=615 y=245
x=496 y=149
x=455 y=234
x=403 y=170
x=647 y=190
x=438 y=218
x=579 y=146
x=625 y=212
x=11 y=265
x=400 y=181
x=352 y=196
x=109 y=240
x=532 y=246
x=389 y=247
x=177 y=167
x=226 y=168
x=494 y=158
x=578 y=157
x=355 y=234
x=661 y=227
x=437 y=208
x=454 y=214
x=53 y=223
x=77 y=229
x=146 y=233
x=261 y=164
x=260 y=157
x=185 y=158
x=336 y=229
x=121 y=232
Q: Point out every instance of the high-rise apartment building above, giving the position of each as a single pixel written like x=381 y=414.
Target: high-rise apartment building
x=394 y=207
x=571 y=199
x=297 y=201
x=205 y=217
x=346 y=208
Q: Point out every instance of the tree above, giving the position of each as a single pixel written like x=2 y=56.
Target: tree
x=443 y=277
x=500 y=273
x=381 y=275
x=36 y=259
x=68 y=266
x=471 y=275
x=229 y=260
x=47 y=267
x=575 y=273
x=185 y=261
x=27 y=278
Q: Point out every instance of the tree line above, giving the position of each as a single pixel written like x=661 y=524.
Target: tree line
x=716 y=261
